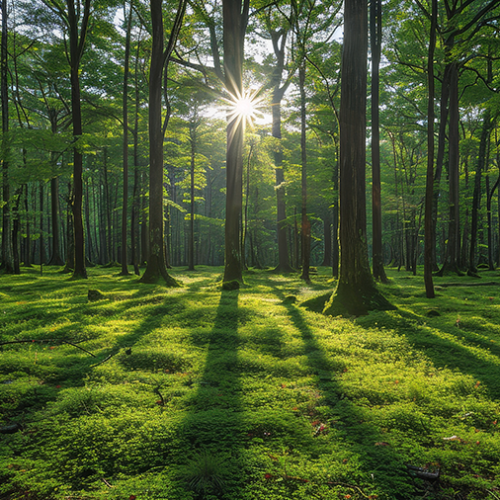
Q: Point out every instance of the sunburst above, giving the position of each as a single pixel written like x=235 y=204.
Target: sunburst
x=244 y=108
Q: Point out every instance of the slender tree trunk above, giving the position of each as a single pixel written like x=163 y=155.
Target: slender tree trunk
x=43 y=259
x=376 y=41
x=306 y=225
x=327 y=236
x=279 y=41
x=7 y=250
x=429 y=185
x=476 y=198
x=15 y=229
x=442 y=139
x=76 y=44
x=55 y=259
x=124 y=257
x=453 y=247
x=89 y=248
x=489 y=196
x=27 y=246
x=191 y=202
x=70 y=253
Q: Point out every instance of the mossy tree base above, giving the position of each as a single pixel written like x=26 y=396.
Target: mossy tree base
x=283 y=269
x=356 y=300
x=156 y=273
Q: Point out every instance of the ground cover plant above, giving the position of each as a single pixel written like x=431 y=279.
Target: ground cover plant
x=144 y=392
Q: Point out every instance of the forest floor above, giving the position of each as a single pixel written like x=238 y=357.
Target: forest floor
x=198 y=393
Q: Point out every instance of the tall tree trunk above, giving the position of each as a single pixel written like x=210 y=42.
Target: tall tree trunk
x=429 y=183
x=279 y=40
x=191 y=201
x=124 y=257
x=356 y=292
x=15 y=229
x=327 y=236
x=76 y=45
x=7 y=251
x=43 y=259
x=70 y=253
x=306 y=225
x=156 y=265
x=442 y=139
x=55 y=259
x=476 y=197
x=235 y=18
x=453 y=247
x=376 y=41
x=27 y=246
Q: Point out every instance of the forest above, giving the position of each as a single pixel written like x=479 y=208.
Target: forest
x=249 y=249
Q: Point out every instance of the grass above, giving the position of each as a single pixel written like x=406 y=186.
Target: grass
x=202 y=393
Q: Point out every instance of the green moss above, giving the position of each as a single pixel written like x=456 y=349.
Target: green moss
x=196 y=392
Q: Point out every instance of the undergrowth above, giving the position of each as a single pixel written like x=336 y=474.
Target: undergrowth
x=203 y=393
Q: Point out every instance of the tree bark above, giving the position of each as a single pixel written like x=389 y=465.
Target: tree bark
x=235 y=18
x=305 y=225
x=476 y=197
x=376 y=41
x=156 y=265
x=7 y=250
x=429 y=186
x=356 y=292
x=279 y=40
x=124 y=252
x=77 y=35
x=453 y=247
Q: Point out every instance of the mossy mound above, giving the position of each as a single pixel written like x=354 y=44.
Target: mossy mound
x=95 y=295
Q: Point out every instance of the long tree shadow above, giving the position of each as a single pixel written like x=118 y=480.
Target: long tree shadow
x=211 y=431
x=378 y=461
x=456 y=348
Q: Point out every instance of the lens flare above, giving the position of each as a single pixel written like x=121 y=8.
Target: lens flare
x=244 y=108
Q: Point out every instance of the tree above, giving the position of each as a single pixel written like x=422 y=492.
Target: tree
x=235 y=19
x=428 y=242
x=7 y=250
x=376 y=42
x=124 y=253
x=156 y=264
x=279 y=39
x=356 y=292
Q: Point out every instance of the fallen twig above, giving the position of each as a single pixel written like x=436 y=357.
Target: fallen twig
x=47 y=341
x=106 y=483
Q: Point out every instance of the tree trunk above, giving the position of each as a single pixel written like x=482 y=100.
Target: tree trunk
x=453 y=247
x=193 y=127
x=156 y=265
x=124 y=253
x=235 y=18
x=305 y=225
x=356 y=292
x=76 y=44
x=327 y=236
x=476 y=198
x=279 y=40
x=429 y=185
x=376 y=41
x=55 y=259
x=7 y=251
